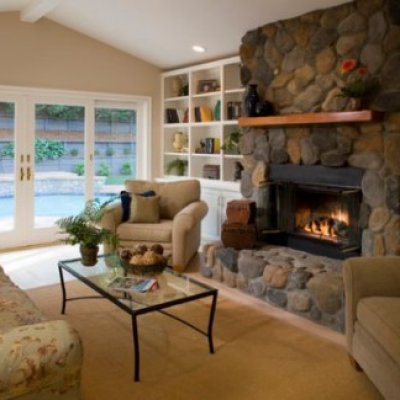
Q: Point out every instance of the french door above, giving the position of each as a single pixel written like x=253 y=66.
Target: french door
x=12 y=169
x=56 y=152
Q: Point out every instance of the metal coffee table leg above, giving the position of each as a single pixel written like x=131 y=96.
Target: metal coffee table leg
x=60 y=271
x=211 y=322
x=136 y=348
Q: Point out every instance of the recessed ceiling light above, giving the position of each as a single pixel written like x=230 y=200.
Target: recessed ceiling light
x=198 y=49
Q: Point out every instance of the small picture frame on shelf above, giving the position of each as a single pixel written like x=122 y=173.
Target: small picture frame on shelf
x=208 y=85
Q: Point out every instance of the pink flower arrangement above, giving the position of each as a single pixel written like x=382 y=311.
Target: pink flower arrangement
x=358 y=86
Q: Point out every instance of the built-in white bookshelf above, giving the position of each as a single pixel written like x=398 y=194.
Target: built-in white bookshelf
x=203 y=103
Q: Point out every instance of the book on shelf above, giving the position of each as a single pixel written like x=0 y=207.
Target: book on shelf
x=203 y=114
x=186 y=115
x=213 y=145
x=206 y=114
x=175 y=115
x=209 y=145
x=197 y=116
x=172 y=116
x=217 y=145
x=133 y=284
x=181 y=114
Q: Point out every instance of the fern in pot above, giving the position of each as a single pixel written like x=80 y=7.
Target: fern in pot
x=84 y=229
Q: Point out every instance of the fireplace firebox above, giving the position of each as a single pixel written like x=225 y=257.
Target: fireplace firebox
x=311 y=215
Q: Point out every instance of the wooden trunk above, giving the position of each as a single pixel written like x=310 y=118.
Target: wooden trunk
x=239 y=236
x=241 y=212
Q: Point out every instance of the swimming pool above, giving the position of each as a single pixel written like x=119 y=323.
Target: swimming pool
x=51 y=205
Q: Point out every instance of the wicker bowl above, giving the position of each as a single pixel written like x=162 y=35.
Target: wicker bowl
x=144 y=269
x=147 y=269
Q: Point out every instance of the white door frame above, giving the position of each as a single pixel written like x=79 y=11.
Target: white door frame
x=25 y=99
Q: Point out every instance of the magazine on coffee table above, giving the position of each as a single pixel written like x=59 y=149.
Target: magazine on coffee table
x=135 y=284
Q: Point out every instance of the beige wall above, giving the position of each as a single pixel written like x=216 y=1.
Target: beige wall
x=48 y=55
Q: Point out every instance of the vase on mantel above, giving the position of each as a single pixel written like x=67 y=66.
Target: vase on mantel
x=251 y=101
x=355 y=104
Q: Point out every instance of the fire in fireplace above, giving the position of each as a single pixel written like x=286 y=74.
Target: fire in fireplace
x=321 y=214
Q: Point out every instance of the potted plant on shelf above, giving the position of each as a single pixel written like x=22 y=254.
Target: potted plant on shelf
x=84 y=229
x=177 y=165
x=358 y=84
x=231 y=143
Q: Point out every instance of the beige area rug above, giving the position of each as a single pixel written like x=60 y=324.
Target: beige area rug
x=257 y=357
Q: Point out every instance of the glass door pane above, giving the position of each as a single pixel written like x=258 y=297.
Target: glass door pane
x=59 y=181
x=115 y=149
x=7 y=167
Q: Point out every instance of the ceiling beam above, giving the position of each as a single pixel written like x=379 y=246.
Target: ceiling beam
x=37 y=9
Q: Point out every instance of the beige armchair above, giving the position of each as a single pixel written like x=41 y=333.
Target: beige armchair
x=372 y=296
x=179 y=229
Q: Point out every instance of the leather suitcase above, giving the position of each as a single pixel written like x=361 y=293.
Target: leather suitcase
x=239 y=236
x=241 y=212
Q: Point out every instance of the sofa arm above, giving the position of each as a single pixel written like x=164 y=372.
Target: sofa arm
x=186 y=233
x=367 y=277
x=110 y=220
x=42 y=356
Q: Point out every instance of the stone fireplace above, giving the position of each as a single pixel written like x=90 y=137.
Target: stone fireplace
x=296 y=65
x=328 y=189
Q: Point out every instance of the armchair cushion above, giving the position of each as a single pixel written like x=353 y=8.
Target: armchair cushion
x=145 y=209
x=126 y=200
x=380 y=317
x=161 y=232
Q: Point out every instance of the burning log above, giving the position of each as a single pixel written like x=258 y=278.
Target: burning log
x=326 y=226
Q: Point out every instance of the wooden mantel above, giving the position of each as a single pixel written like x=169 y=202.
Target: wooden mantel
x=313 y=118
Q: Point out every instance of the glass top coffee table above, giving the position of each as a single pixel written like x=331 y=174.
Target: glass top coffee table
x=173 y=289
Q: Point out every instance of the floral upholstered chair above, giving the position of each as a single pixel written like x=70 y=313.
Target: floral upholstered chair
x=38 y=359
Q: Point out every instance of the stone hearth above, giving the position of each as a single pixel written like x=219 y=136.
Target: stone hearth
x=307 y=285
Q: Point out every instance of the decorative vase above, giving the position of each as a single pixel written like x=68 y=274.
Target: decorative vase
x=264 y=108
x=355 y=103
x=179 y=142
x=89 y=255
x=176 y=87
x=251 y=101
x=217 y=111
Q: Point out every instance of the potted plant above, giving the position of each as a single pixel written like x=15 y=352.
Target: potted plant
x=231 y=143
x=177 y=165
x=84 y=229
x=358 y=85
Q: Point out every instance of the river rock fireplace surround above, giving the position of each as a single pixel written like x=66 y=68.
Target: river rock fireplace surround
x=329 y=187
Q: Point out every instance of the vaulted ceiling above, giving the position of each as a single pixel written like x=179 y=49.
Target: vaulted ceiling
x=163 y=32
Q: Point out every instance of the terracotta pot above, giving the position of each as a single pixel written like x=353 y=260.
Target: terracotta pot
x=89 y=255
